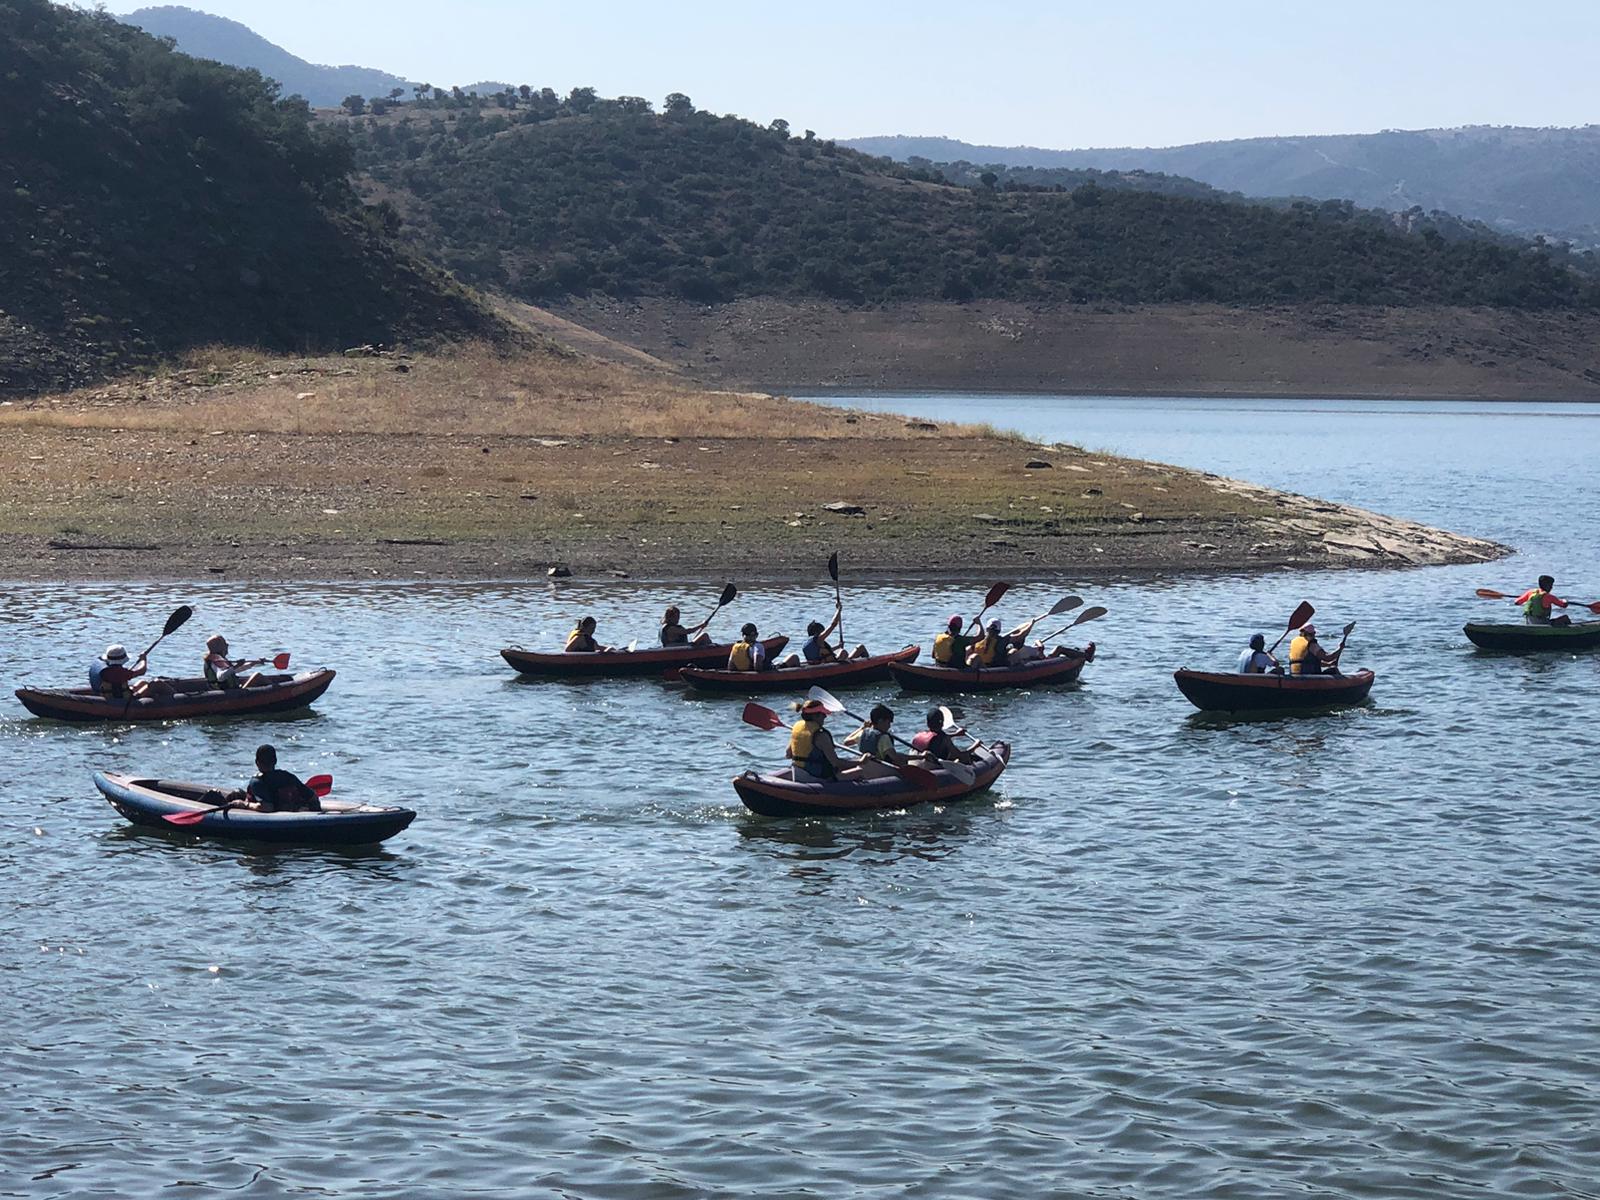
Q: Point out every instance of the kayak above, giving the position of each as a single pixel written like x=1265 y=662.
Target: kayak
x=612 y=664
x=779 y=794
x=189 y=698
x=340 y=823
x=857 y=670
x=1519 y=639
x=928 y=677
x=1221 y=691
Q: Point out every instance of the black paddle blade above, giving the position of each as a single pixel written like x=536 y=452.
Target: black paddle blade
x=1301 y=615
x=179 y=618
x=1089 y=614
x=1348 y=628
x=995 y=593
x=833 y=566
x=728 y=593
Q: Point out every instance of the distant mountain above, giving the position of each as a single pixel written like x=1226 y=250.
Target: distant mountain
x=205 y=36
x=156 y=202
x=1519 y=180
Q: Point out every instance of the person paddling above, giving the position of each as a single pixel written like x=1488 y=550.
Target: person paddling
x=993 y=649
x=748 y=654
x=811 y=747
x=112 y=677
x=1256 y=660
x=950 y=647
x=1307 y=657
x=876 y=745
x=818 y=649
x=581 y=639
x=674 y=634
x=936 y=745
x=221 y=671
x=275 y=790
x=1539 y=602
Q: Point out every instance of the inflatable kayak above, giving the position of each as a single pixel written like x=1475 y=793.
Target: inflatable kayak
x=188 y=698
x=779 y=794
x=340 y=823
x=1220 y=691
x=856 y=670
x=1522 y=639
x=617 y=664
x=928 y=677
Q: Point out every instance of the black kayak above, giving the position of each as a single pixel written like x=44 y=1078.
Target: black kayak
x=340 y=823
x=1218 y=691
x=1526 y=639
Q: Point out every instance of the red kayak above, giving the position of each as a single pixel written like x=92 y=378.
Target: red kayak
x=183 y=698
x=612 y=664
x=928 y=677
x=1219 y=691
x=856 y=670
x=779 y=794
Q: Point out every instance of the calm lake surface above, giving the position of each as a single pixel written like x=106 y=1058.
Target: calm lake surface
x=1349 y=956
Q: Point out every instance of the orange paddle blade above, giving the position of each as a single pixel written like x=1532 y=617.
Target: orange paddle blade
x=762 y=718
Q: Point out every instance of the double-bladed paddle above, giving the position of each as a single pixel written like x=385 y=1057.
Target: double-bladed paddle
x=320 y=784
x=1303 y=613
x=1490 y=594
x=728 y=594
x=1063 y=605
x=1093 y=613
x=179 y=618
x=994 y=595
x=838 y=599
x=920 y=776
x=952 y=724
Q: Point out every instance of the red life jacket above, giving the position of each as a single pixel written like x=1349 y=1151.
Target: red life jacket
x=923 y=740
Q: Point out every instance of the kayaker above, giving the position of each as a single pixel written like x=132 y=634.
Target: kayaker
x=112 y=677
x=993 y=649
x=581 y=639
x=950 y=647
x=936 y=745
x=811 y=746
x=817 y=649
x=1537 y=603
x=876 y=744
x=674 y=634
x=273 y=790
x=1256 y=660
x=1307 y=657
x=221 y=671
x=748 y=654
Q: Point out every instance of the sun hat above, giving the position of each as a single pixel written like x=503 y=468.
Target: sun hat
x=812 y=707
x=115 y=654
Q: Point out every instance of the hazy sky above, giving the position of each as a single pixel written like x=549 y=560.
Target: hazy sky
x=1063 y=74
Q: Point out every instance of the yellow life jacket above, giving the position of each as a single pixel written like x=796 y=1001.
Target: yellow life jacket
x=801 y=740
x=579 y=641
x=742 y=657
x=985 y=648
x=944 y=650
x=1299 y=651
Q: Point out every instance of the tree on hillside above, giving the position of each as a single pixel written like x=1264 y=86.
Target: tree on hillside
x=396 y=95
x=582 y=99
x=780 y=127
x=422 y=90
x=678 y=105
x=354 y=105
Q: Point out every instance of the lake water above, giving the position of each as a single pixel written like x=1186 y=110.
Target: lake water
x=1352 y=955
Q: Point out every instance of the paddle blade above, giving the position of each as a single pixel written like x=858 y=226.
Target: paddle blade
x=728 y=593
x=1491 y=594
x=949 y=716
x=1301 y=615
x=995 y=594
x=281 y=662
x=1348 y=628
x=1089 y=614
x=633 y=645
x=1593 y=606
x=179 y=618
x=188 y=818
x=320 y=784
x=762 y=718
x=833 y=566
x=1063 y=605
x=827 y=699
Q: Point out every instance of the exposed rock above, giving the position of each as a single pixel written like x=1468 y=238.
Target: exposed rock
x=840 y=508
x=1039 y=464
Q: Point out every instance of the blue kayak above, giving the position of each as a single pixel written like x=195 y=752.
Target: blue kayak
x=340 y=823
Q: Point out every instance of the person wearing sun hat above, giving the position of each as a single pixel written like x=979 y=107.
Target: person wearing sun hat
x=811 y=746
x=1307 y=657
x=111 y=676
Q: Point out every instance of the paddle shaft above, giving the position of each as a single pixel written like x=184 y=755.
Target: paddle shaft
x=321 y=785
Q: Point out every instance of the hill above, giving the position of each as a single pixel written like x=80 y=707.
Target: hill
x=1519 y=180
x=547 y=198
x=158 y=202
x=205 y=36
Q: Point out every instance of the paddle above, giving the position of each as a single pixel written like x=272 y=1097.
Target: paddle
x=765 y=718
x=952 y=725
x=179 y=618
x=990 y=599
x=1089 y=614
x=728 y=594
x=1299 y=617
x=320 y=784
x=1065 y=604
x=1490 y=594
x=920 y=776
x=1343 y=640
x=838 y=600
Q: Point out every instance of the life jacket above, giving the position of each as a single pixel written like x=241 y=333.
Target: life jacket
x=816 y=650
x=991 y=650
x=875 y=743
x=579 y=642
x=1300 y=660
x=1535 y=609
x=947 y=649
x=805 y=752
x=214 y=676
x=742 y=657
x=95 y=668
x=923 y=740
x=674 y=635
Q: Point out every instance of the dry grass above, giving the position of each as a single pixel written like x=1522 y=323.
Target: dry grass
x=476 y=390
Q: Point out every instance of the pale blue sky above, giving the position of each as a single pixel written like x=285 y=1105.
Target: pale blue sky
x=1062 y=74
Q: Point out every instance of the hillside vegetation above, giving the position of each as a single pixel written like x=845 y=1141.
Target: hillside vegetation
x=154 y=202
x=549 y=198
x=1519 y=180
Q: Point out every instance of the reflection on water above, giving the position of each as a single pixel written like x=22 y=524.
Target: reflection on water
x=1345 y=955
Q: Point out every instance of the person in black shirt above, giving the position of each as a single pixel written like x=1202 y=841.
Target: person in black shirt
x=273 y=790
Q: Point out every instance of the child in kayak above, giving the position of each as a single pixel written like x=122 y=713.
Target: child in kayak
x=581 y=639
x=876 y=745
x=112 y=677
x=273 y=790
x=674 y=634
x=811 y=748
x=1538 y=604
x=748 y=654
x=221 y=671
x=817 y=649
x=936 y=745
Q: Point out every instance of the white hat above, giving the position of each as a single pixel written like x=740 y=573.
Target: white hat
x=115 y=654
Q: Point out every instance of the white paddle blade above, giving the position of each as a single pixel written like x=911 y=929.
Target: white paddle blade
x=826 y=699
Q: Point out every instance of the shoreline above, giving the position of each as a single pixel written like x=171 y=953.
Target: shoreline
x=841 y=391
